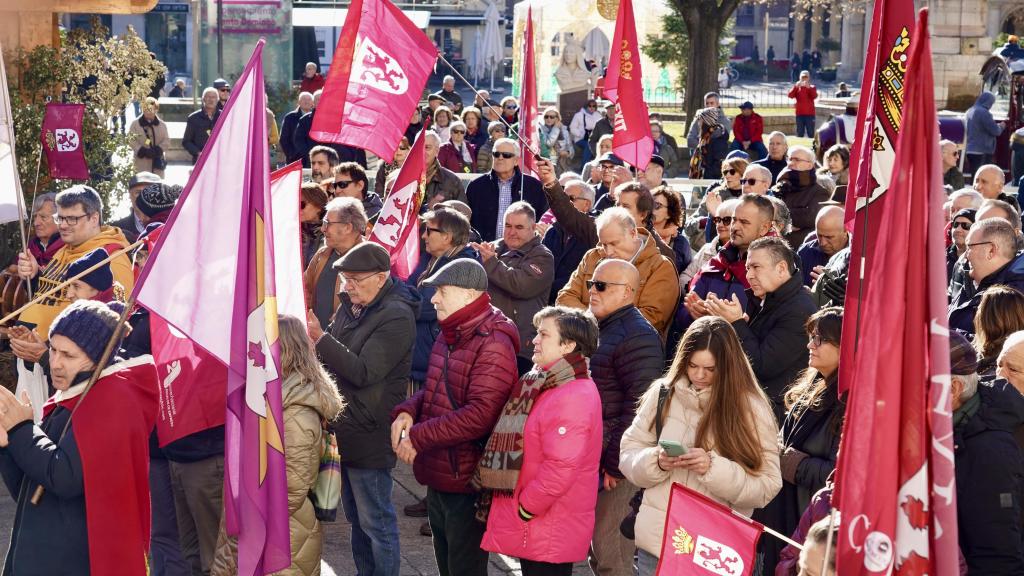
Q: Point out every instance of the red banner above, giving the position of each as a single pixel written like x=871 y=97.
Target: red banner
x=631 y=139
x=528 y=129
x=398 y=226
x=895 y=482
x=62 y=141
x=380 y=67
x=704 y=537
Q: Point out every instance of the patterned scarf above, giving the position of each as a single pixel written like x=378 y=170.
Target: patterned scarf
x=503 y=456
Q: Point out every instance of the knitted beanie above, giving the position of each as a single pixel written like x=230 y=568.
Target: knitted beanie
x=100 y=278
x=87 y=323
x=157 y=198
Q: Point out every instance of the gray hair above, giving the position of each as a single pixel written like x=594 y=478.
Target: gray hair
x=1012 y=216
x=448 y=78
x=762 y=172
x=457 y=124
x=433 y=136
x=992 y=168
x=727 y=207
x=1000 y=233
x=618 y=216
x=522 y=208
x=209 y=89
x=509 y=141
x=785 y=140
x=585 y=190
x=84 y=195
x=348 y=211
x=976 y=197
x=804 y=149
x=37 y=204
x=783 y=219
x=970 y=382
x=943 y=143
x=451 y=222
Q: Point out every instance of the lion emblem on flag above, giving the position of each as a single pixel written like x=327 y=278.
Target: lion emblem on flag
x=717 y=558
x=375 y=68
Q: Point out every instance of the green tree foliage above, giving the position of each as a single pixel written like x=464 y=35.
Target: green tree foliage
x=672 y=47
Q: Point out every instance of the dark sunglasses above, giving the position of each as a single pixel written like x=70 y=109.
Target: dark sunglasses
x=730 y=171
x=750 y=181
x=505 y=155
x=962 y=225
x=510 y=106
x=726 y=220
x=551 y=117
x=458 y=131
x=341 y=184
x=601 y=285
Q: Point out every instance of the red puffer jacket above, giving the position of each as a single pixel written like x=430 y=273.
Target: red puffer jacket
x=481 y=374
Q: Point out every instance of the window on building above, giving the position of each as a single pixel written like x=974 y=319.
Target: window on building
x=745 y=15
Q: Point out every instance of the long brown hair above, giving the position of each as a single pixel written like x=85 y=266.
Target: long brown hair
x=729 y=420
x=297 y=355
x=1000 y=313
x=808 y=390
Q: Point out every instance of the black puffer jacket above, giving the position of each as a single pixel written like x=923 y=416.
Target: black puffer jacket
x=628 y=358
x=370 y=358
x=775 y=339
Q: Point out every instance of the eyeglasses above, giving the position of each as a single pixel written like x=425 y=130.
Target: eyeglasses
x=730 y=171
x=601 y=285
x=724 y=220
x=751 y=181
x=223 y=89
x=978 y=244
x=341 y=184
x=345 y=279
x=69 y=220
x=816 y=340
x=429 y=229
x=458 y=131
x=592 y=106
x=325 y=222
x=796 y=159
x=505 y=155
x=962 y=225
x=551 y=117
x=658 y=205
x=509 y=106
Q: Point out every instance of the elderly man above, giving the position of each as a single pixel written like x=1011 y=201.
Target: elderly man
x=992 y=258
x=132 y=224
x=520 y=269
x=989 y=181
x=628 y=358
x=756 y=180
x=322 y=161
x=439 y=429
x=200 y=123
x=343 y=228
x=799 y=188
x=989 y=465
x=613 y=174
x=776 y=160
x=45 y=240
x=718 y=145
x=290 y=122
x=654 y=175
x=312 y=80
x=951 y=174
x=441 y=183
x=96 y=501
x=965 y=198
x=620 y=238
x=350 y=181
x=1010 y=363
x=449 y=94
x=368 y=350
x=961 y=286
x=772 y=327
x=492 y=193
x=830 y=236
x=567 y=248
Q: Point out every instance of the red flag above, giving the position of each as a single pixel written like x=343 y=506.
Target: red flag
x=62 y=141
x=631 y=139
x=528 y=129
x=895 y=485
x=704 y=537
x=398 y=226
x=872 y=158
x=378 y=73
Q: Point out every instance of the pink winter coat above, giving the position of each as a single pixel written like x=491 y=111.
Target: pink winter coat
x=558 y=482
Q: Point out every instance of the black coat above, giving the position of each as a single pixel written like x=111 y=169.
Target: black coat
x=370 y=357
x=965 y=297
x=198 y=128
x=990 y=480
x=568 y=251
x=628 y=358
x=775 y=339
x=482 y=194
x=288 y=124
x=302 y=144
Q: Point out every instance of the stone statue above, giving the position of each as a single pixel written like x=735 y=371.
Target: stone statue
x=572 y=73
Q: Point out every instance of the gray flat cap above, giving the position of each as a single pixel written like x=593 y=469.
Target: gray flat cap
x=463 y=273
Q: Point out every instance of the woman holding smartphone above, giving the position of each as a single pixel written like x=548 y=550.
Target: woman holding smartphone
x=714 y=408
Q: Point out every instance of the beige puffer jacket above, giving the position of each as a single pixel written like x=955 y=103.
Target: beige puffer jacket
x=726 y=481
x=302 y=446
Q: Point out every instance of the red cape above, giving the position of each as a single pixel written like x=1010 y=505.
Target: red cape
x=112 y=433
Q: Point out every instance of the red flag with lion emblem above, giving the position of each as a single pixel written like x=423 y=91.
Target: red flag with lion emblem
x=704 y=537
x=379 y=70
x=62 y=141
x=398 y=226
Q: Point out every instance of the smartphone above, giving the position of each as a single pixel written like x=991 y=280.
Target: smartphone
x=672 y=448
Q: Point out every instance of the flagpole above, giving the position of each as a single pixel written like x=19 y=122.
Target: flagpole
x=768 y=530
x=828 y=539
x=108 y=352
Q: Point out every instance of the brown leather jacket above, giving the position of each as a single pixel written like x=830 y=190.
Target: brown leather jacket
x=312 y=275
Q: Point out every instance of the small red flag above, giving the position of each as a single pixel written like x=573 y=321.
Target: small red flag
x=631 y=139
x=895 y=480
x=398 y=226
x=377 y=76
x=62 y=141
x=704 y=537
x=528 y=129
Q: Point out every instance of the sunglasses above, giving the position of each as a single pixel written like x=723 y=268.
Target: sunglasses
x=962 y=225
x=730 y=171
x=750 y=181
x=428 y=230
x=551 y=117
x=724 y=220
x=505 y=155
x=592 y=106
x=458 y=131
x=341 y=184
x=510 y=107
x=601 y=285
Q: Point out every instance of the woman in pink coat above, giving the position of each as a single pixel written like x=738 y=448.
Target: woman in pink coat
x=543 y=494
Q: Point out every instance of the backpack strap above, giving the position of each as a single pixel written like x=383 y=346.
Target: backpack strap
x=659 y=424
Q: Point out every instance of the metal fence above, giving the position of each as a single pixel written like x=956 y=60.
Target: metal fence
x=760 y=96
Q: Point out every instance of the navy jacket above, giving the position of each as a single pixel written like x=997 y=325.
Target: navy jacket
x=965 y=297
x=811 y=255
x=482 y=194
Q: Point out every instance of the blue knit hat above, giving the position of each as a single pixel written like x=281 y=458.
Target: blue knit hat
x=100 y=278
x=87 y=323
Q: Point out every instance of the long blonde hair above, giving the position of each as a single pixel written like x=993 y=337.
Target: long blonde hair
x=298 y=357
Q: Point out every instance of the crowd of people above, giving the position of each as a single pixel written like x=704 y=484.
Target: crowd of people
x=557 y=329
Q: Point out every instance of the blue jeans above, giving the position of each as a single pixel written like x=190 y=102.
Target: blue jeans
x=366 y=497
x=646 y=563
x=164 y=546
x=805 y=125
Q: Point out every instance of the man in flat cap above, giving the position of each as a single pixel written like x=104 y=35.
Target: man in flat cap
x=368 y=350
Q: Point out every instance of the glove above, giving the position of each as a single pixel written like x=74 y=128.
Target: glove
x=790 y=462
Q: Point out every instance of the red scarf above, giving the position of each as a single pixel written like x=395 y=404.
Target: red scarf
x=44 y=255
x=730 y=264
x=450 y=325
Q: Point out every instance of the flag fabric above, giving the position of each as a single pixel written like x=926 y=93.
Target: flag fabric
x=529 y=131
x=872 y=158
x=631 y=137
x=895 y=482
x=193 y=382
x=12 y=202
x=398 y=226
x=212 y=276
x=62 y=141
x=380 y=67
x=704 y=537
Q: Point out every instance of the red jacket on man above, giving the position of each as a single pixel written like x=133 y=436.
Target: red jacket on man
x=481 y=373
x=805 y=96
x=748 y=128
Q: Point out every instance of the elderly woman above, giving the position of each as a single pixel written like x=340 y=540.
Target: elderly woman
x=544 y=447
x=667 y=221
x=730 y=186
x=457 y=154
x=476 y=127
x=149 y=139
x=555 y=142
x=442 y=122
x=721 y=221
x=837 y=167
